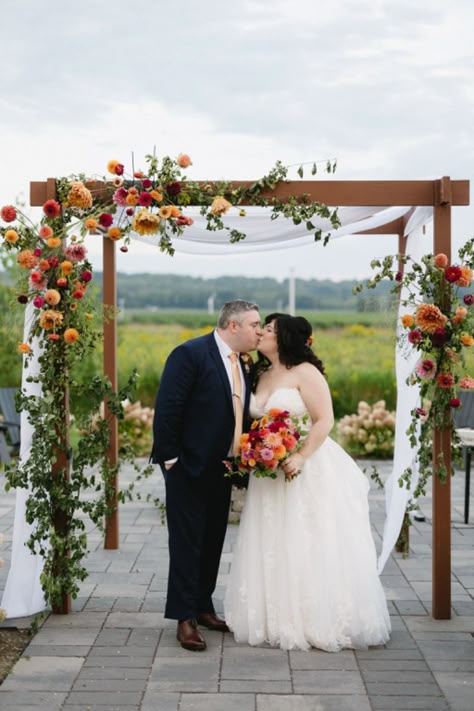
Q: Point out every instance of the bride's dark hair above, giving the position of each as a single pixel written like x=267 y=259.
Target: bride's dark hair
x=293 y=334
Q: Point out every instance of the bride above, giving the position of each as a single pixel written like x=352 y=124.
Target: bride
x=304 y=566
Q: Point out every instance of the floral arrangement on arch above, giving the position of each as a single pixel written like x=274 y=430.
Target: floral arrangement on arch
x=439 y=325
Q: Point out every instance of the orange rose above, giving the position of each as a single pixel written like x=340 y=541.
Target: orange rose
x=52 y=297
x=114 y=233
x=131 y=200
x=467 y=340
x=183 y=160
x=66 y=267
x=175 y=211
x=465 y=278
x=461 y=313
x=112 y=165
x=71 y=335
x=157 y=196
x=441 y=260
x=53 y=242
x=407 y=320
x=91 y=224
x=44 y=265
x=24 y=348
x=11 y=236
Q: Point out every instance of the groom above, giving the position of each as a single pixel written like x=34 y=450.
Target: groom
x=203 y=395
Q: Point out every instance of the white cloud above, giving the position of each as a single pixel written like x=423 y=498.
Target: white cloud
x=385 y=88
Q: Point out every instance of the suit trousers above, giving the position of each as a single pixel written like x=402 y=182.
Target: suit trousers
x=197 y=510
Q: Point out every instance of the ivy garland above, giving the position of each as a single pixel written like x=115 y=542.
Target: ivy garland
x=69 y=483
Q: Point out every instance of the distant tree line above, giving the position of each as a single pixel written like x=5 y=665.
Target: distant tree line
x=169 y=291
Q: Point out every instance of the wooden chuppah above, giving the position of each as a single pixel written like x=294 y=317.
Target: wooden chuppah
x=441 y=195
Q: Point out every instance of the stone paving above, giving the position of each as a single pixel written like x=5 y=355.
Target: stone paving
x=117 y=652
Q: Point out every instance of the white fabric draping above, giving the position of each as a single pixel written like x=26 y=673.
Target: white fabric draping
x=263 y=233
x=23 y=595
x=408 y=397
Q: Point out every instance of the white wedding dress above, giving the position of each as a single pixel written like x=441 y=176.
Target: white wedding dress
x=304 y=569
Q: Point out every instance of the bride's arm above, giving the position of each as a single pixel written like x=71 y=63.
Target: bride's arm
x=317 y=398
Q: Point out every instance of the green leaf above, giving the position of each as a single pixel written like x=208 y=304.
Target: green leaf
x=300 y=171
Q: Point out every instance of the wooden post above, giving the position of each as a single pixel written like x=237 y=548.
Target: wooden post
x=109 y=290
x=60 y=469
x=441 y=583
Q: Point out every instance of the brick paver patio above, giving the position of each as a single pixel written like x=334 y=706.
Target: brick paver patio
x=116 y=651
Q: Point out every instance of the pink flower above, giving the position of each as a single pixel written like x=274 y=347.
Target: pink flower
x=53 y=262
x=75 y=252
x=86 y=275
x=266 y=454
x=468 y=299
x=120 y=197
x=38 y=302
x=454 y=402
x=467 y=383
x=37 y=252
x=425 y=369
x=119 y=168
x=146 y=183
x=415 y=336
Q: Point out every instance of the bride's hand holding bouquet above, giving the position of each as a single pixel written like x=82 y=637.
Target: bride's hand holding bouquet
x=265 y=449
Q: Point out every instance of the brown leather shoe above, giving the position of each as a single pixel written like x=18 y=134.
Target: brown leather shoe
x=189 y=636
x=212 y=622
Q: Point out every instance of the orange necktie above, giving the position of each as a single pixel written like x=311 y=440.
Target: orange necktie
x=237 y=399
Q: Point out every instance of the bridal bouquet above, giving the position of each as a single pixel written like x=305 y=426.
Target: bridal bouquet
x=271 y=440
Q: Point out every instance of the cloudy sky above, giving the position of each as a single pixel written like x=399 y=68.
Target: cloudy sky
x=386 y=88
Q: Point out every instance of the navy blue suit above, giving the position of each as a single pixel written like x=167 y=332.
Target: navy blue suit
x=194 y=421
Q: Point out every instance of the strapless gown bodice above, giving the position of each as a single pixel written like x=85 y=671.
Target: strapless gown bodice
x=304 y=571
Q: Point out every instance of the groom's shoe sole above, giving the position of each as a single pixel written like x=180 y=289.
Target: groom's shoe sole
x=189 y=636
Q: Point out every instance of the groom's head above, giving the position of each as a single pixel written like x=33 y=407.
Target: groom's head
x=239 y=325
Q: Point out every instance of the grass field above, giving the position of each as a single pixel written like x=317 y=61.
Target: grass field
x=356 y=348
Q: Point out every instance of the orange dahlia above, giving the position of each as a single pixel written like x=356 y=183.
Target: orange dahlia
x=465 y=278
x=26 y=259
x=11 y=236
x=79 y=196
x=428 y=318
x=24 y=348
x=50 y=319
x=71 y=335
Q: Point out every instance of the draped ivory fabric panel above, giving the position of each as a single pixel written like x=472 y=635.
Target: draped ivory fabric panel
x=23 y=595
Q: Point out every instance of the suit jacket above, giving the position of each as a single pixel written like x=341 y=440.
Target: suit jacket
x=194 y=414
